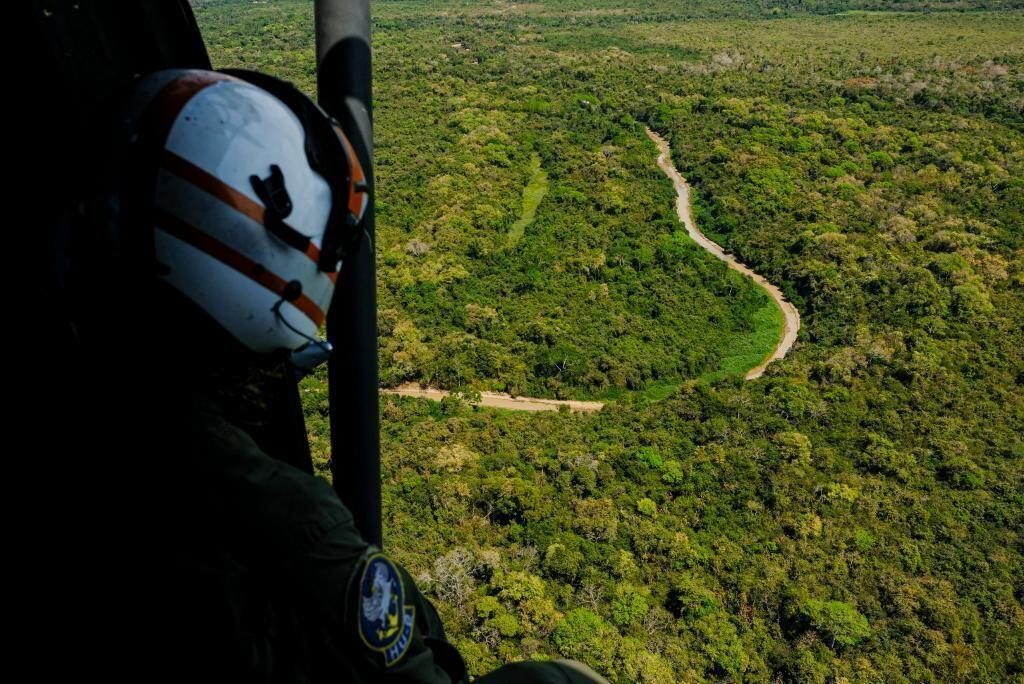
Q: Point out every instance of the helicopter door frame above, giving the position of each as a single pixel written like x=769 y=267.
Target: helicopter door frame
x=344 y=76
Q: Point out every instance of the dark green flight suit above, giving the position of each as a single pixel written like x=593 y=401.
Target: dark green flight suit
x=270 y=581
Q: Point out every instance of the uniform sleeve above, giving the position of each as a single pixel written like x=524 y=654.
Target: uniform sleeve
x=382 y=624
x=360 y=615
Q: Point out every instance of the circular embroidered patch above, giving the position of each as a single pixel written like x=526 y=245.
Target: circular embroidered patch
x=385 y=622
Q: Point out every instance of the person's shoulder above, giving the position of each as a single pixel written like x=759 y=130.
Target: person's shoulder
x=262 y=490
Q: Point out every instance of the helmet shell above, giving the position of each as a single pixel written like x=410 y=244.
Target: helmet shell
x=212 y=136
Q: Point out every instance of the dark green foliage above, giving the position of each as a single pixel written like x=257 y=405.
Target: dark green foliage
x=854 y=515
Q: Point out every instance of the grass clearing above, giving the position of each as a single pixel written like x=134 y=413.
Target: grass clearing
x=533 y=193
x=751 y=349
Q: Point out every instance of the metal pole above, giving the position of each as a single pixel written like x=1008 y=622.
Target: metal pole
x=344 y=73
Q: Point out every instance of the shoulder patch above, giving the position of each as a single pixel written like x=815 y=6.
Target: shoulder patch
x=385 y=622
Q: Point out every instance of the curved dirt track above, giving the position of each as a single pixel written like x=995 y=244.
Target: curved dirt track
x=499 y=399
x=791 y=317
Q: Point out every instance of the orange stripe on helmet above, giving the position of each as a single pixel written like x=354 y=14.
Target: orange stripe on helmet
x=172 y=98
x=215 y=187
x=171 y=224
x=358 y=198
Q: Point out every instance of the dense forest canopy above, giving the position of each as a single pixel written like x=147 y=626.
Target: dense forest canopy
x=854 y=515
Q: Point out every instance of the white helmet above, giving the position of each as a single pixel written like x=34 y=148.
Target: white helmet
x=258 y=197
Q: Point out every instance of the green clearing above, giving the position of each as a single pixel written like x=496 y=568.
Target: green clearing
x=750 y=350
x=533 y=193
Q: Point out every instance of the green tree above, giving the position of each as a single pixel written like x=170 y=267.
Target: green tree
x=837 y=621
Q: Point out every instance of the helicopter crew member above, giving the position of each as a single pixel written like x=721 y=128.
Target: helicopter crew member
x=228 y=206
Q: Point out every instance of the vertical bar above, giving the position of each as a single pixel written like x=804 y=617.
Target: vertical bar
x=344 y=82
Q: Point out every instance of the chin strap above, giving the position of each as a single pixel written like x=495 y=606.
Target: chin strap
x=310 y=355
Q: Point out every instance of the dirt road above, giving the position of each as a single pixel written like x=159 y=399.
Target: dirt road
x=791 y=316
x=499 y=399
